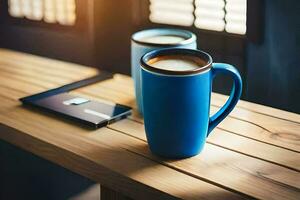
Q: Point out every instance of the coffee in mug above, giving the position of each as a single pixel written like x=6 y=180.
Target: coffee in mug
x=176 y=62
x=176 y=92
x=148 y=40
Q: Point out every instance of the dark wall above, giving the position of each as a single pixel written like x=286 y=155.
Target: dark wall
x=47 y=43
x=113 y=27
x=273 y=66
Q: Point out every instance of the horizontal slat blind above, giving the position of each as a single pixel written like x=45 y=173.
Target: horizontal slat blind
x=215 y=15
x=51 y=11
x=176 y=12
x=236 y=14
x=210 y=14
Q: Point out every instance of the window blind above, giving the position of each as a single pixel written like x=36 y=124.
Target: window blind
x=50 y=11
x=215 y=15
x=176 y=12
x=236 y=15
x=210 y=14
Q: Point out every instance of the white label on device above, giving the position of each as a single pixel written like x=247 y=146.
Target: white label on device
x=92 y=112
x=75 y=101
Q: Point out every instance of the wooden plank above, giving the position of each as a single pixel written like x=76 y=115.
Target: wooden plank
x=28 y=68
x=219 y=99
x=12 y=94
x=286 y=136
x=101 y=156
x=218 y=165
x=30 y=80
x=256 y=149
x=27 y=87
x=271 y=124
x=45 y=63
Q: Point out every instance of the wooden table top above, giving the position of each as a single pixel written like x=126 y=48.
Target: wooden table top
x=253 y=153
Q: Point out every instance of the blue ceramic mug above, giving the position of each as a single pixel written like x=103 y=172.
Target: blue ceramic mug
x=176 y=104
x=141 y=44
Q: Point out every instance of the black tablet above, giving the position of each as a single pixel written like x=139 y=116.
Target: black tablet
x=92 y=113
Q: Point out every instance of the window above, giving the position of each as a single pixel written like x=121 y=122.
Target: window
x=50 y=11
x=215 y=15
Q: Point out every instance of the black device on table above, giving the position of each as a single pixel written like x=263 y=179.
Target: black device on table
x=92 y=113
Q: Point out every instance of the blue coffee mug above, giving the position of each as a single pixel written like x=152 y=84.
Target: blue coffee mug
x=140 y=47
x=176 y=104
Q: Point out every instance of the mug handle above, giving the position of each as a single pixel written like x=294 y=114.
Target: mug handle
x=235 y=94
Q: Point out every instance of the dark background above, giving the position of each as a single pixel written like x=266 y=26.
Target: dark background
x=268 y=58
x=273 y=70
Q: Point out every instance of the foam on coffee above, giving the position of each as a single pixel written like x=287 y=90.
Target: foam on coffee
x=177 y=62
x=163 y=39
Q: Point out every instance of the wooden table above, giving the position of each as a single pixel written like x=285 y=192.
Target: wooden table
x=253 y=154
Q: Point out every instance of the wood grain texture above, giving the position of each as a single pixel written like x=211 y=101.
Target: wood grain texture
x=221 y=165
x=101 y=157
x=219 y=99
x=254 y=153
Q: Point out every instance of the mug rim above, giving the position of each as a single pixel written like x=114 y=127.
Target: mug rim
x=161 y=31
x=175 y=51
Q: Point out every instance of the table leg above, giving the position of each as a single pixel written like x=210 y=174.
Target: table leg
x=109 y=194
